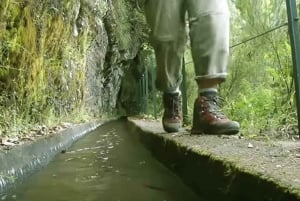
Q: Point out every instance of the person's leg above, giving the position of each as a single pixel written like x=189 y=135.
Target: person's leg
x=168 y=38
x=209 y=33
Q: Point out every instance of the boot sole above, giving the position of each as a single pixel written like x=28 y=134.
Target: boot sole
x=172 y=128
x=215 y=132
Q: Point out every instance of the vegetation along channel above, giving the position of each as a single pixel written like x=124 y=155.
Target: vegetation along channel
x=105 y=165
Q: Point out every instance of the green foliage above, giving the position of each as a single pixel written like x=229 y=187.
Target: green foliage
x=125 y=22
x=260 y=89
x=253 y=109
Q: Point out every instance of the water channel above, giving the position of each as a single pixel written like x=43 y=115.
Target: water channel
x=106 y=165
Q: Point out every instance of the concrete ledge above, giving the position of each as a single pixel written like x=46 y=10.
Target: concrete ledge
x=226 y=168
x=24 y=160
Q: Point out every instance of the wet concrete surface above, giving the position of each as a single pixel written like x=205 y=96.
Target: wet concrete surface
x=110 y=165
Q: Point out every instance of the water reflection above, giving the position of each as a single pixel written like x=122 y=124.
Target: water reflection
x=107 y=165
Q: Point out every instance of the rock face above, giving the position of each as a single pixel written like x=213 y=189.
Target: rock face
x=60 y=57
x=118 y=42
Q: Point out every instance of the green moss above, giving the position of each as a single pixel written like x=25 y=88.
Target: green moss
x=42 y=67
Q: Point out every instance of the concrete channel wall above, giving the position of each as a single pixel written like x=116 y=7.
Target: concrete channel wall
x=24 y=160
x=225 y=168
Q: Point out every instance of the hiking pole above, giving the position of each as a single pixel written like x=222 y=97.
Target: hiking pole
x=295 y=48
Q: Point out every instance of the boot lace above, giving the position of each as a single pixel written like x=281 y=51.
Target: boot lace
x=214 y=105
x=173 y=104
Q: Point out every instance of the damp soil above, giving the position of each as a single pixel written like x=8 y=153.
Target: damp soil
x=109 y=165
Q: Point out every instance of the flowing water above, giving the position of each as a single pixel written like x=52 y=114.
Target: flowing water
x=106 y=165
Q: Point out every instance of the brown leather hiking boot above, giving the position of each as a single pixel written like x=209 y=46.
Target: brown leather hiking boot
x=208 y=118
x=172 y=118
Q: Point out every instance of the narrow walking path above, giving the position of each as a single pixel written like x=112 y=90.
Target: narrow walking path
x=227 y=167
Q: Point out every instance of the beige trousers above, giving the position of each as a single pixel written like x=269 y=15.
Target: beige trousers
x=209 y=34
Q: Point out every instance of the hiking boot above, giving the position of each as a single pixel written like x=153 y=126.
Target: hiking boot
x=208 y=118
x=172 y=118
